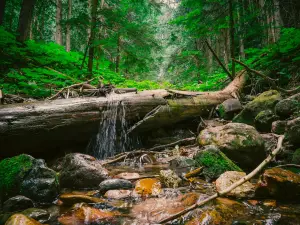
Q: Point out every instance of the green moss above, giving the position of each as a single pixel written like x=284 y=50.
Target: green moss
x=214 y=162
x=296 y=157
x=12 y=170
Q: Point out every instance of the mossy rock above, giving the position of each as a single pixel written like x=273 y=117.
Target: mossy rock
x=214 y=162
x=265 y=101
x=12 y=172
x=287 y=107
x=264 y=120
x=296 y=157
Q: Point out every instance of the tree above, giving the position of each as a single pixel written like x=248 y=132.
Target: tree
x=232 y=44
x=25 y=20
x=58 y=33
x=68 y=34
x=2 y=11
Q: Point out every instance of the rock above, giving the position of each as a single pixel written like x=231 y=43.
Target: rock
x=81 y=171
x=40 y=215
x=41 y=183
x=270 y=203
x=71 y=199
x=128 y=176
x=263 y=121
x=264 y=101
x=208 y=217
x=87 y=215
x=230 y=177
x=148 y=186
x=296 y=157
x=169 y=178
x=214 y=162
x=155 y=209
x=239 y=142
x=27 y=176
x=278 y=127
x=181 y=163
x=118 y=194
x=114 y=184
x=20 y=219
x=229 y=108
x=280 y=184
x=17 y=203
x=292 y=132
x=287 y=107
x=270 y=142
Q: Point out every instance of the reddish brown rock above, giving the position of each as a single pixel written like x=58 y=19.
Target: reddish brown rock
x=148 y=186
x=71 y=199
x=20 y=219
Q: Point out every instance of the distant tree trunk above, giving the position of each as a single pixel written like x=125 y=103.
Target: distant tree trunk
x=118 y=59
x=2 y=11
x=25 y=20
x=58 y=34
x=277 y=18
x=240 y=15
x=226 y=47
x=68 y=34
x=232 y=46
x=209 y=57
x=92 y=37
x=31 y=37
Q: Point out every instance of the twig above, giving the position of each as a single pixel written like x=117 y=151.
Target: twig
x=180 y=142
x=270 y=80
x=289 y=165
x=231 y=187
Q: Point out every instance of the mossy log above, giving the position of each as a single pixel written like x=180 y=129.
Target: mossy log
x=48 y=126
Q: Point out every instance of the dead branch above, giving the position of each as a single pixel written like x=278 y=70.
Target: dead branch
x=268 y=79
x=288 y=165
x=230 y=188
x=180 y=142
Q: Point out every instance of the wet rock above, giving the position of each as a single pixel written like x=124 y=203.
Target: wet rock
x=155 y=209
x=182 y=162
x=239 y=142
x=229 y=108
x=208 y=217
x=278 y=127
x=17 y=203
x=214 y=162
x=296 y=157
x=169 y=178
x=293 y=131
x=270 y=203
x=114 y=184
x=263 y=121
x=279 y=184
x=71 y=199
x=287 y=107
x=40 y=215
x=20 y=219
x=118 y=194
x=148 y=186
x=265 y=101
x=81 y=171
x=230 y=177
x=128 y=176
x=87 y=215
x=270 y=142
x=27 y=176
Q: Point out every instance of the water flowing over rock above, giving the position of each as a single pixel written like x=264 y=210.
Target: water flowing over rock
x=114 y=184
x=71 y=199
x=81 y=171
x=239 y=142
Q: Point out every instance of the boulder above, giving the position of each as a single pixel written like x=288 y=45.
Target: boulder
x=270 y=142
x=148 y=186
x=239 y=142
x=229 y=108
x=169 y=178
x=296 y=157
x=264 y=101
x=71 y=199
x=17 y=203
x=214 y=162
x=279 y=184
x=287 y=107
x=81 y=171
x=263 y=121
x=278 y=127
x=20 y=219
x=118 y=194
x=114 y=184
x=27 y=176
x=40 y=215
x=230 y=177
x=292 y=132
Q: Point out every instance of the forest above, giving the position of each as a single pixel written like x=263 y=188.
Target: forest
x=149 y=112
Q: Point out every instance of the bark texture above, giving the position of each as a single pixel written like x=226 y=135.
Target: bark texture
x=58 y=33
x=25 y=20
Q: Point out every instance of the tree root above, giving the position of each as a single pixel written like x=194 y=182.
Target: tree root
x=230 y=188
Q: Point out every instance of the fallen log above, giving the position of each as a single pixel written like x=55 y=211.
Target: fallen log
x=51 y=126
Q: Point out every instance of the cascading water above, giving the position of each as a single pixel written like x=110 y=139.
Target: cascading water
x=111 y=138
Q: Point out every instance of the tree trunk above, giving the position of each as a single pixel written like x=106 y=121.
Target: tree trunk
x=68 y=123
x=58 y=33
x=2 y=11
x=118 y=59
x=25 y=20
x=209 y=57
x=278 y=19
x=92 y=37
x=232 y=44
x=68 y=34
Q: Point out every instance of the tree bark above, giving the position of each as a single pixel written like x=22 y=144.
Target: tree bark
x=68 y=34
x=25 y=20
x=92 y=37
x=58 y=33
x=278 y=19
x=232 y=44
x=118 y=59
x=2 y=11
